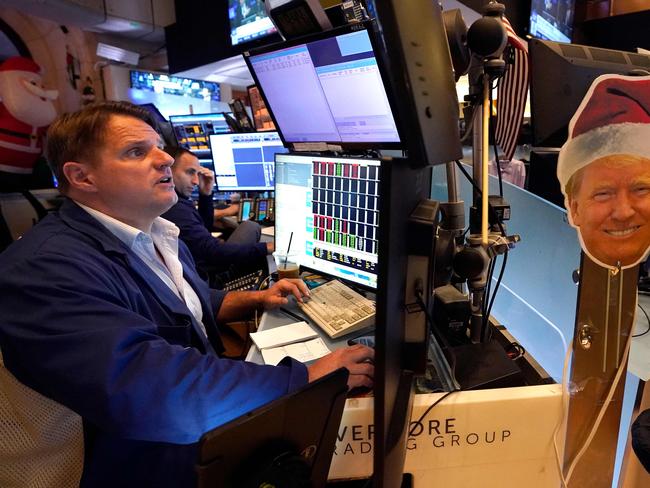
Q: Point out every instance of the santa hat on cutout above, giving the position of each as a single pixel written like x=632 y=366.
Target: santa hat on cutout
x=18 y=63
x=613 y=118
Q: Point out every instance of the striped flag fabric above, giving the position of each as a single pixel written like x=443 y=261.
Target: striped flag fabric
x=511 y=95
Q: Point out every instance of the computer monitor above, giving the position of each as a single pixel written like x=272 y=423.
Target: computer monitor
x=329 y=208
x=552 y=20
x=193 y=131
x=245 y=161
x=327 y=88
x=248 y=21
x=261 y=117
x=561 y=74
x=288 y=442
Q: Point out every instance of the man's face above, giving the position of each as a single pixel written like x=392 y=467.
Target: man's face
x=132 y=178
x=612 y=209
x=186 y=174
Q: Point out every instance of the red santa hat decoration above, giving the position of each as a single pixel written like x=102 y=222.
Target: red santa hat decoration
x=613 y=118
x=25 y=112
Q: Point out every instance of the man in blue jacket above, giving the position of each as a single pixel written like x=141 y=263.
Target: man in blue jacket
x=109 y=365
x=210 y=254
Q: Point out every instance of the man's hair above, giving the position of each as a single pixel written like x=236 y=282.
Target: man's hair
x=616 y=161
x=80 y=135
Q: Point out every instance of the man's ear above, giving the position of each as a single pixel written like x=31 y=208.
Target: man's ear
x=79 y=177
x=574 y=213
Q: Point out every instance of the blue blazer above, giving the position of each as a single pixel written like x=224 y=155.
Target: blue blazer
x=86 y=323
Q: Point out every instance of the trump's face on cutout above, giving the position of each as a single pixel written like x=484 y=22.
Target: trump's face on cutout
x=609 y=203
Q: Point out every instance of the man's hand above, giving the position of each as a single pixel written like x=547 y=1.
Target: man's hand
x=276 y=296
x=206 y=181
x=358 y=359
x=270 y=247
x=229 y=211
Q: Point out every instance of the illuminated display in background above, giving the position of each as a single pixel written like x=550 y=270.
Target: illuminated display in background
x=261 y=117
x=175 y=85
x=248 y=21
x=552 y=19
x=245 y=161
x=331 y=206
x=193 y=131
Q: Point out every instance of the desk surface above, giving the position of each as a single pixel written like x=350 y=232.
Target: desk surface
x=276 y=318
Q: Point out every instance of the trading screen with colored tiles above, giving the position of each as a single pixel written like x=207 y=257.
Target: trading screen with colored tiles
x=328 y=208
x=345 y=204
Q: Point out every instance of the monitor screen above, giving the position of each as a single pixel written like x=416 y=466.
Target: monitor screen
x=560 y=76
x=248 y=21
x=193 y=131
x=175 y=85
x=245 y=161
x=331 y=208
x=261 y=117
x=552 y=19
x=327 y=89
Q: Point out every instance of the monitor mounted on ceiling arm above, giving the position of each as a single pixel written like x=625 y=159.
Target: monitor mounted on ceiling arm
x=328 y=88
x=422 y=78
x=248 y=21
x=561 y=74
x=552 y=21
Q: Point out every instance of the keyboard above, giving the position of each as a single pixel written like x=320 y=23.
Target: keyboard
x=251 y=281
x=338 y=310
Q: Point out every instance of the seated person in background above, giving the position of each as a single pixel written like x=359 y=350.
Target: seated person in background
x=109 y=346
x=641 y=438
x=242 y=249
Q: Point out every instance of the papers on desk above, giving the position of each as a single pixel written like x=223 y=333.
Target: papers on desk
x=268 y=231
x=301 y=351
x=289 y=340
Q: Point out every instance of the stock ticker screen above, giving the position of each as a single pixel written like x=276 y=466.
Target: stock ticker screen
x=329 y=208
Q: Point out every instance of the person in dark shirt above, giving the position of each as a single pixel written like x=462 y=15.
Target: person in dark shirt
x=212 y=255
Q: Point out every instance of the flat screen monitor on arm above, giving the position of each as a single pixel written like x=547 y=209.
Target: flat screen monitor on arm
x=327 y=88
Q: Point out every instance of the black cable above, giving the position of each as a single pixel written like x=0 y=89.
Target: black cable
x=488 y=285
x=478 y=189
x=496 y=287
x=426 y=412
x=647 y=318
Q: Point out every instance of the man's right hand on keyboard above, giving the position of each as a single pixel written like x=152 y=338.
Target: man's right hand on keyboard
x=359 y=361
x=276 y=296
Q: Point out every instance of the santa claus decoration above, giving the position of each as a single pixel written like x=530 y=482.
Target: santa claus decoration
x=26 y=109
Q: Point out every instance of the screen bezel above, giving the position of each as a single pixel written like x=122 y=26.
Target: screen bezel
x=369 y=26
x=352 y=284
x=236 y=189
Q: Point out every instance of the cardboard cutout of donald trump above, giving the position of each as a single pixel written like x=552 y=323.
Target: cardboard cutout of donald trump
x=604 y=171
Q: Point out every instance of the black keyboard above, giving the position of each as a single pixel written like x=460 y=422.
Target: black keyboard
x=251 y=281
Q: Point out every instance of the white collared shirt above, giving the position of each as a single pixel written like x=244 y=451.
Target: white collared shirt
x=164 y=239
